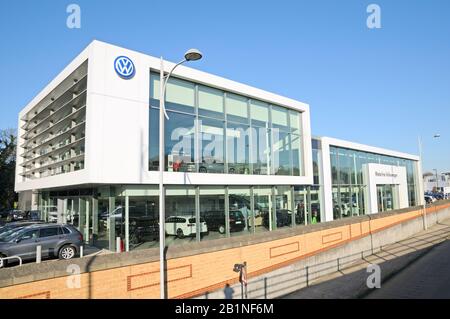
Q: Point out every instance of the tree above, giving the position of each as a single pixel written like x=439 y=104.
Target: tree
x=7 y=168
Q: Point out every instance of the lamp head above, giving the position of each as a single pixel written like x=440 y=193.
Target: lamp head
x=437 y=135
x=193 y=55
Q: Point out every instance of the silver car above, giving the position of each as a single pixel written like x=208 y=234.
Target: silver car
x=62 y=241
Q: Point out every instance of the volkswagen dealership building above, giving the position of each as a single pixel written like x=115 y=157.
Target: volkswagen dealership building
x=238 y=160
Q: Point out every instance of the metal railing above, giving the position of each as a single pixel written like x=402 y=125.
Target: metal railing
x=11 y=257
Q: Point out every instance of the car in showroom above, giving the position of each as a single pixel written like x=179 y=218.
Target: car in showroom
x=284 y=218
x=15 y=215
x=182 y=226
x=60 y=240
x=142 y=228
x=216 y=220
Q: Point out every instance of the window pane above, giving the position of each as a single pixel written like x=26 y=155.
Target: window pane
x=210 y=102
x=212 y=146
x=297 y=163
x=179 y=142
x=263 y=208
x=294 y=121
x=153 y=158
x=261 y=150
x=180 y=208
x=281 y=153
x=259 y=113
x=212 y=210
x=237 y=110
x=280 y=118
x=238 y=148
x=241 y=217
x=143 y=221
x=283 y=206
x=180 y=92
x=154 y=86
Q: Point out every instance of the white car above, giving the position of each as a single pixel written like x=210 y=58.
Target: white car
x=53 y=217
x=183 y=226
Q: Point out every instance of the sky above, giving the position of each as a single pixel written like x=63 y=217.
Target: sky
x=383 y=87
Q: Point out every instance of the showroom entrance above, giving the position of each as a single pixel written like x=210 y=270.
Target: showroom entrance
x=387 y=197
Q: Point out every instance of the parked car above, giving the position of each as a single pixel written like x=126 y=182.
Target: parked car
x=33 y=215
x=284 y=218
x=184 y=226
x=15 y=215
x=216 y=220
x=211 y=167
x=142 y=228
x=19 y=224
x=62 y=241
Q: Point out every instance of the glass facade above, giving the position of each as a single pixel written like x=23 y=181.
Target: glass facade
x=130 y=213
x=349 y=189
x=212 y=131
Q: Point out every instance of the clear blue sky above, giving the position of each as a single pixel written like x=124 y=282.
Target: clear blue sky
x=381 y=87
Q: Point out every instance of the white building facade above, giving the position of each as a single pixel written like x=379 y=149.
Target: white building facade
x=239 y=160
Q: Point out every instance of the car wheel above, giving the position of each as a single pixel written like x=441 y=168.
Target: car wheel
x=180 y=233
x=67 y=252
x=222 y=229
x=202 y=169
x=231 y=170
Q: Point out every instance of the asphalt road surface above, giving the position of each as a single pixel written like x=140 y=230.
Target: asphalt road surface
x=427 y=278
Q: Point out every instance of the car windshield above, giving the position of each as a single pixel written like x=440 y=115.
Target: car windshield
x=11 y=234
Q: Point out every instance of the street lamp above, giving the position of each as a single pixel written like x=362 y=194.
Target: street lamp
x=424 y=208
x=190 y=55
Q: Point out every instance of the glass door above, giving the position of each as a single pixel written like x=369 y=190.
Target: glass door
x=380 y=196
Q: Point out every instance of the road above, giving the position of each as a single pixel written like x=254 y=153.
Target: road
x=426 y=278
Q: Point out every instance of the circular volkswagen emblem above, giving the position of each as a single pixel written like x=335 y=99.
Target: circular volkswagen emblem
x=124 y=67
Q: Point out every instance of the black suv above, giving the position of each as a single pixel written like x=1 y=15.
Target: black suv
x=284 y=218
x=143 y=228
x=215 y=220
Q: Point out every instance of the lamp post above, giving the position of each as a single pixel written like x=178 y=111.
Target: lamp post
x=190 y=55
x=424 y=208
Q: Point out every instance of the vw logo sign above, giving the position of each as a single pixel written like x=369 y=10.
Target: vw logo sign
x=124 y=67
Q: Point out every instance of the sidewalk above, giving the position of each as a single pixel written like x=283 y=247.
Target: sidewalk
x=350 y=281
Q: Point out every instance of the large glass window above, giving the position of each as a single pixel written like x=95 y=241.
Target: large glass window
x=212 y=146
x=280 y=118
x=154 y=140
x=237 y=108
x=180 y=142
x=349 y=187
x=241 y=219
x=213 y=214
x=210 y=102
x=220 y=132
x=282 y=160
x=180 y=215
x=238 y=148
x=261 y=138
x=283 y=206
x=263 y=208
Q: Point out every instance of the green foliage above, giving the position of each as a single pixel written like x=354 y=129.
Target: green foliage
x=7 y=168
